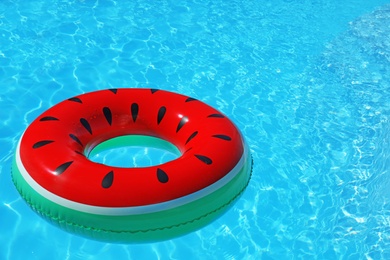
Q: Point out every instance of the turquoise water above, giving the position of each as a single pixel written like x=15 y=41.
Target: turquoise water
x=306 y=81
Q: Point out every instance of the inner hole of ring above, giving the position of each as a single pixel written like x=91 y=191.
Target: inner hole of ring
x=131 y=151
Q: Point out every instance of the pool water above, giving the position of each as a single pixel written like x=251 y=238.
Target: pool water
x=307 y=82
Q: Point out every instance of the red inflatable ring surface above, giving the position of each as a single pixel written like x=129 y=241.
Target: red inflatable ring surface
x=54 y=174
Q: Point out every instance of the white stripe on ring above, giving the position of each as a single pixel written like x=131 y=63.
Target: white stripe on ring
x=137 y=210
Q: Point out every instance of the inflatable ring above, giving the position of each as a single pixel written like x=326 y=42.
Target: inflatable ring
x=53 y=173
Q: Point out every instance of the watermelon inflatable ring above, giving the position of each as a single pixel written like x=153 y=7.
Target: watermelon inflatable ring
x=53 y=173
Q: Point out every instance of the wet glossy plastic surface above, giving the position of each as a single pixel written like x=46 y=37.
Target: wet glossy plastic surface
x=53 y=147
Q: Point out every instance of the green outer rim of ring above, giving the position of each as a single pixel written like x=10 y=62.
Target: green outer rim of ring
x=147 y=227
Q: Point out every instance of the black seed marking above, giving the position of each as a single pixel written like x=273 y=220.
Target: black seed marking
x=154 y=90
x=190 y=99
x=223 y=137
x=182 y=122
x=108 y=180
x=41 y=143
x=162 y=176
x=49 y=118
x=204 y=159
x=76 y=139
x=161 y=113
x=113 y=90
x=80 y=153
x=86 y=125
x=75 y=99
x=216 y=115
x=107 y=114
x=191 y=136
x=134 y=111
x=60 y=169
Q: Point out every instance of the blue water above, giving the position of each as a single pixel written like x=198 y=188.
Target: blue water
x=306 y=81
